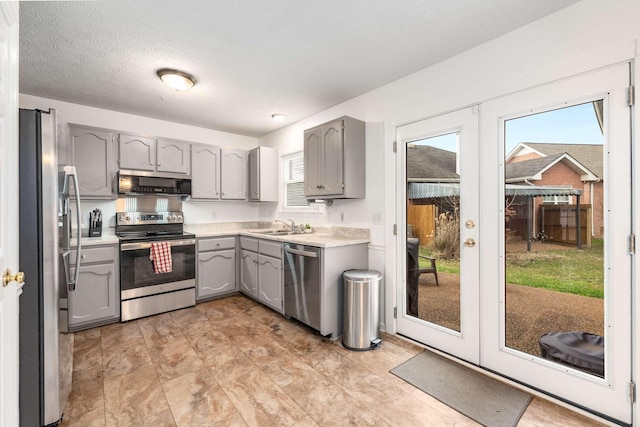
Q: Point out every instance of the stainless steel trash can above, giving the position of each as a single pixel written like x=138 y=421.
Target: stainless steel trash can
x=361 y=311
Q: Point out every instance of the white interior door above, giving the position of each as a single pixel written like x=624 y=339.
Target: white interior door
x=438 y=228
x=10 y=292
x=604 y=240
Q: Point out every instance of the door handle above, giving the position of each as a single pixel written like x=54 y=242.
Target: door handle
x=469 y=243
x=7 y=277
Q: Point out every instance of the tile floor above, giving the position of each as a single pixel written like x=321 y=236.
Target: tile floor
x=233 y=362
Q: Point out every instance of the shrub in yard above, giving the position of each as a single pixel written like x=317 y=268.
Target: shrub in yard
x=447 y=235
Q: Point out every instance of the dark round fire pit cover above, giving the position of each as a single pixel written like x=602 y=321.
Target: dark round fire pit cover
x=580 y=349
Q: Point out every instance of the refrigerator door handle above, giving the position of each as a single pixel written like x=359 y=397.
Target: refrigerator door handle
x=71 y=170
x=67 y=271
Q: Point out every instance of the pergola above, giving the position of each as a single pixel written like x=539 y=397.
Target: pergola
x=432 y=190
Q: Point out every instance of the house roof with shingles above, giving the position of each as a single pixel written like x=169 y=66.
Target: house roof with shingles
x=590 y=155
x=528 y=168
x=533 y=169
x=429 y=164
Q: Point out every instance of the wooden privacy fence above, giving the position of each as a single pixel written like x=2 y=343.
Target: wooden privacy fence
x=422 y=218
x=559 y=223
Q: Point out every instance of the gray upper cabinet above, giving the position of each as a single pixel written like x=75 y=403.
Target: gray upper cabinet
x=149 y=154
x=334 y=160
x=173 y=156
x=205 y=171
x=137 y=152
x=263 y=174
x=233 y=169
x=92 y=151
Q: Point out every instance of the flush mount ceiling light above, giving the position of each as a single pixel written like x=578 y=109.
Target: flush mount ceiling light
x=176 y=80
x=279 y=117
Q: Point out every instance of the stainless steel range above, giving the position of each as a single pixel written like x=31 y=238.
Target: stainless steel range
x=143 y=291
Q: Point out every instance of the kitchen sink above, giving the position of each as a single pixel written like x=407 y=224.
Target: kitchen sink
x=273 y=232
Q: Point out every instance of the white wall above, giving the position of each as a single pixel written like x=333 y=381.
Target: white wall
x=98 y=117
x=582 y=37
x=224 y=211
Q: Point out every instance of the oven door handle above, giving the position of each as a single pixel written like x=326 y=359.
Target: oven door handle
x=145 y=245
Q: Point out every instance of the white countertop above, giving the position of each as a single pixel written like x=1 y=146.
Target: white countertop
x=108 y=238
x=324 y=237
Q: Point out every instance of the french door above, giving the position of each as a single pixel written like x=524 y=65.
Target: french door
x=539 y=206
x=439 y=166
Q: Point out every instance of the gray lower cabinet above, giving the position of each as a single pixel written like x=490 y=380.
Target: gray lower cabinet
x=249 y=266
x=261 y=271
x=270 y=279
x=96 y=299
x=92 y=152
x=249 y=273
x=216 y=270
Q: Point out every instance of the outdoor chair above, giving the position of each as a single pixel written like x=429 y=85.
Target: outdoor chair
x=431 y=269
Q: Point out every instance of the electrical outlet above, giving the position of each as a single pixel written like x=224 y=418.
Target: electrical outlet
x=341 y=216
x=377 y=218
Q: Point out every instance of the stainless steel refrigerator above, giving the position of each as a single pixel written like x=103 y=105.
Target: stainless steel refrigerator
x=46 y=358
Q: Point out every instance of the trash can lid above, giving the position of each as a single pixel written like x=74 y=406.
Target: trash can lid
x=362 y=275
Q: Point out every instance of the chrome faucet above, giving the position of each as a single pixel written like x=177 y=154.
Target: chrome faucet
x=292 y=226
x=288 y=225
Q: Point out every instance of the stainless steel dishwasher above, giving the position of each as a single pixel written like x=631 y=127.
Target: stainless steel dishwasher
x=302 y=286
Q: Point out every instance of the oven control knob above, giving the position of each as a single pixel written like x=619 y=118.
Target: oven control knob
x=180 y=218
x=171 y=217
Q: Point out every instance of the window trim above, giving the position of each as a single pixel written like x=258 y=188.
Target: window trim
x=284 y=159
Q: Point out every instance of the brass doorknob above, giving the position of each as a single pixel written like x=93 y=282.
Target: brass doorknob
x=469 y=243
x=8 y=277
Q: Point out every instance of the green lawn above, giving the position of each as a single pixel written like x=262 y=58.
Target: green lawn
x=579 y=272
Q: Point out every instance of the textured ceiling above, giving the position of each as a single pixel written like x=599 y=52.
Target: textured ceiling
x=252 y=58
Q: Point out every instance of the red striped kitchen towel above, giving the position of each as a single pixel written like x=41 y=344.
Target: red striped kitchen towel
x=161 y=257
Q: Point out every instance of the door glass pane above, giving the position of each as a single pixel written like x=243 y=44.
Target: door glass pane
x=554 y=236
x=433 y=230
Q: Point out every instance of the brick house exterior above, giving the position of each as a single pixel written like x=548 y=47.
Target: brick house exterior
x=578 y=166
